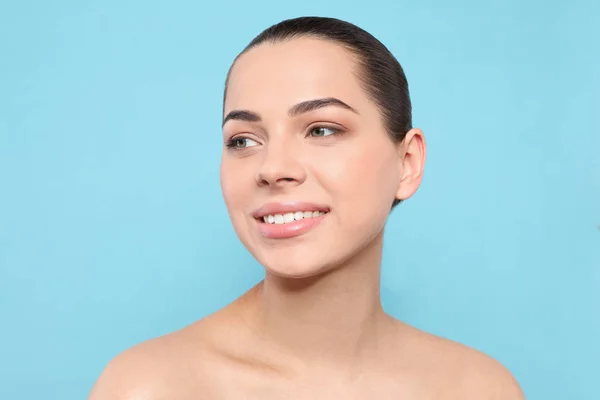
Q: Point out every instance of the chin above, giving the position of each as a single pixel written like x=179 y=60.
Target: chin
x=294 y=267
x=294 y=272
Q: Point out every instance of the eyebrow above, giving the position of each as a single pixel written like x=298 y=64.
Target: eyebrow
x=294 y=111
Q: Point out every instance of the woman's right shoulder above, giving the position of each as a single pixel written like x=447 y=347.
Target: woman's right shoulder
x=148 y=370
x=135 y=373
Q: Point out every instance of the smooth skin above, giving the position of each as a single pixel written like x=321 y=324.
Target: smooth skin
x=314 y=328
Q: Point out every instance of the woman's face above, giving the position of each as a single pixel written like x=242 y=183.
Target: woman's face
x=308 y=172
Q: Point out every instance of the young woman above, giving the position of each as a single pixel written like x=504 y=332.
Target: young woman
x=318 y=149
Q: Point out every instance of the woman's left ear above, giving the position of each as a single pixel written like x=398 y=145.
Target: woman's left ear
x=411 y=162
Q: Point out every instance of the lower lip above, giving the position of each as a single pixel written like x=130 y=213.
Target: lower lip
x=291 y=229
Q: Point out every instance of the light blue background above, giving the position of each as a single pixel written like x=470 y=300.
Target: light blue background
x=112 y=225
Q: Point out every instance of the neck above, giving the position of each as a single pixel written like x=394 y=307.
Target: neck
x=328 y=320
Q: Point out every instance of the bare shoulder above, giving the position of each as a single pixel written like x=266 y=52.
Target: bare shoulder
x=486 y=378
x=133 y=374
x=459 y=371
x=170 y=366
x=179 y=365
x=483 y=377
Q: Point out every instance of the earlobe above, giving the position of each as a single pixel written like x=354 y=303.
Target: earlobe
x=413 y=152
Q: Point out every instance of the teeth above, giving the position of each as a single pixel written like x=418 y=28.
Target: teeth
x=291 y=217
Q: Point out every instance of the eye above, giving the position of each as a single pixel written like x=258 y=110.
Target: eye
x=321 y=131
x=241 y=143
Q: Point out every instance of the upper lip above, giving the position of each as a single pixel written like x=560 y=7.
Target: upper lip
x=287 y=207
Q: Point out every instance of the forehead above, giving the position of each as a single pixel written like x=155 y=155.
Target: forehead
x=275 y=76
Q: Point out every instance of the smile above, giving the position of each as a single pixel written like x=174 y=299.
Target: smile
x=290 y=217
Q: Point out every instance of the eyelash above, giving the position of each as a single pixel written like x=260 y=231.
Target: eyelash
x=231 y=143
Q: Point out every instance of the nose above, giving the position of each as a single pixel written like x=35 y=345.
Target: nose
x=280 y=167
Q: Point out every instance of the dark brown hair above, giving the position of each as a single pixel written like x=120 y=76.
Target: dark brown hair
x=381 y=75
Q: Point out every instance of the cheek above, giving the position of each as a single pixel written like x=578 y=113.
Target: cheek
x=365 y=177
x=233 y=184
x=235 y=189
